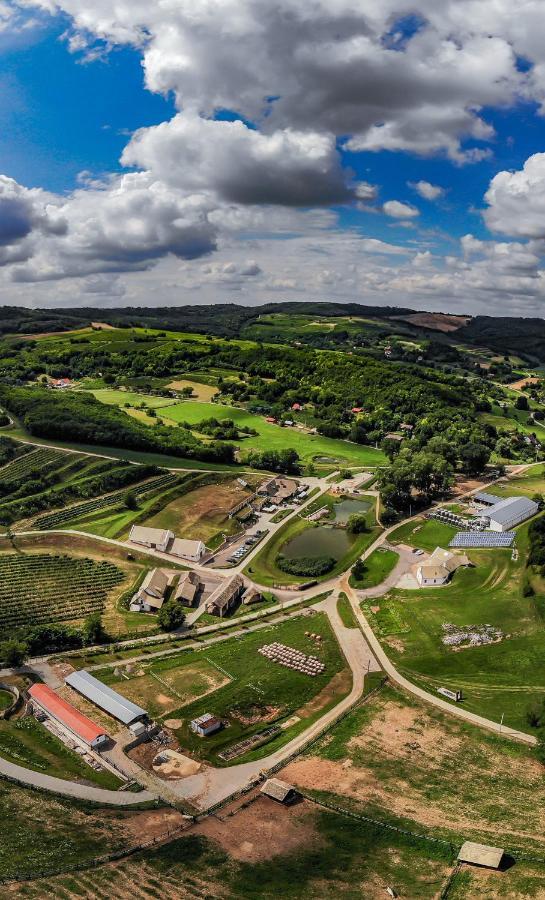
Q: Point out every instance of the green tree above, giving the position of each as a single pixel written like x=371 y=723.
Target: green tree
x=522 y=402
x=359 y=569
x=357 y=524
x=131 y=500
x=93 y=631
x=474 y=457
x=13 y=653
x=171 y=616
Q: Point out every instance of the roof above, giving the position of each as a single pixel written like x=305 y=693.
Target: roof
x=277 y=789
x=155 y=583
x=103 y=696
x=224 y=592
x=450 y=561
x=206 y=721
x=481 y=855
x=510 y=508
x=143 y=535
x=483 y=497
x=187 y=586
x=184 y=547
x=66 y=713
x=433 y=572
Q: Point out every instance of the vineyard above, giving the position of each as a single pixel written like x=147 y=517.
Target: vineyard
x=35 y=461
x=41 y=588
x=62 y=516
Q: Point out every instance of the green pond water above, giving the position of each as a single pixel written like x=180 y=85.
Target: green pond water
x=320 y=541
x=348 y=507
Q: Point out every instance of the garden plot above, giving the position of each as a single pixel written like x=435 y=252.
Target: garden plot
x=46 y=588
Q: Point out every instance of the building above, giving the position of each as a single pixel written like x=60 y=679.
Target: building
x=187 y=589
x=105 y=698
x=205 y=725
x=506 y=514
x=296 y=407
x=251 y=595
x=223 y=599
x=47 y=701
x=439 y=567
x=150 y=596
x=154 y=538
x=192 y=550
x=278 y=489
x=481 y=855
x=486 y=499
x=280 y=791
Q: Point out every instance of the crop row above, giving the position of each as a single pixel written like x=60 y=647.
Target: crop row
x=36 y=460
x=59 y=518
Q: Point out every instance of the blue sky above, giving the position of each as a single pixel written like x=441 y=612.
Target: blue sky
x=253 y=130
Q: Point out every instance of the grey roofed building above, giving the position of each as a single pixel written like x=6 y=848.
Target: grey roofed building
x=484 y=497
x=187 y=588
x=225 y=596
x=279 y=790
x=481 y=855
x=510 y=512
x=103 y=696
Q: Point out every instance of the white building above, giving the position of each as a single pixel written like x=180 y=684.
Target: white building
x=150 y=596
x=205 y=725
x=154 y=538
x=439 y=567
x=508 y=513
x=192 y=550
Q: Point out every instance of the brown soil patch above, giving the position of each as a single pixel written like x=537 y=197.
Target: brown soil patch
x=463 y=486
x=340 y=684
x=151 y=823
x=403 y=753
x=395 y=644
x=258 y=714
x=435 y=321
x=522 y=383
x=170 y=764
x=263 y=829
x=173 y=723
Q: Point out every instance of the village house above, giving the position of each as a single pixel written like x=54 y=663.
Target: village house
x=187 y=589
x=439 y=567
x=150 y=596
x=278 y=489
x=166 y=542
x=186 y=549
x=226 y=595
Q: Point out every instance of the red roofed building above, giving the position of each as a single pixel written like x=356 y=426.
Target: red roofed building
x=270 y=419
x=357 y=409
x=54 y=706
x=297 y=407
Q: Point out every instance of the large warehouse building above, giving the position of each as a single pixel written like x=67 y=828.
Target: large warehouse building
x=110 y=701
x=506 y=514
x=55 y=707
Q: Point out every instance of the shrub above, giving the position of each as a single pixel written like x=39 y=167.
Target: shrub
x=306 y=565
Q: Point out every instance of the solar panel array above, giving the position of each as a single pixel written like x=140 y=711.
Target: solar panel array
x=483 y=539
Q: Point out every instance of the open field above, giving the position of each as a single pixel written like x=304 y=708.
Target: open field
x=265 y=850
x=121 y=398
x=201 y=391
x=402 y=761
x=258 y=691
x=6 y=699
x=26 y=742
x=427 y=534
x=263 y=568
x=377 y=567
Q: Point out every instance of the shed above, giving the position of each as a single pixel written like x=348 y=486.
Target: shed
x=481 y=855
x=206 y=724
x=104 y=697
x=71 y=718
x=279 y=790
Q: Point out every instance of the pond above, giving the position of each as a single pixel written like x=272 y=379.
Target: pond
x=322 y=540
x=348 y=507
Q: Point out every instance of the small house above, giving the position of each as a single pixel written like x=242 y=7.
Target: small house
x=185 y=549
x=187 y=589
x=223 y=599
x=251 y=595
x=280 y=791
x=439 y=567
x=205 y=725
x=150 y=596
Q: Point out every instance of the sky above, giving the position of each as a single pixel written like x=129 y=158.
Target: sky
x=166 y=152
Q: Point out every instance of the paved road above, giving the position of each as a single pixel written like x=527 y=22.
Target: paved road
x=450 y=708
x=71 y=788
x=211 y=786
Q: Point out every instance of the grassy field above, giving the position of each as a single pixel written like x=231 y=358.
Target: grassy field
x=426 y=534
x=378 y=566
x=121 y=398
x=27 y=743
x=6 y=699
x=263 y=568
x=401 y=761
x=345 y=611
x=254 y=691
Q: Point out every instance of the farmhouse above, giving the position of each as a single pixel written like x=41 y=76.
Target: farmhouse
x=151 y=594
x=47 y=701
x=439 y=567
x=205 y=725
x=192 y=550
x=187 y=589
x=504 y=515
x=105 y=698
x=278 y=489
x=279 y=790
x=154 y=538
x=222 y=600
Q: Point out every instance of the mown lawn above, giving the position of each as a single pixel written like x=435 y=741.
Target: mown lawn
x=377 y=567
x=426 y=534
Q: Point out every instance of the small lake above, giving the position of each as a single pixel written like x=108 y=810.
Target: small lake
x=322 y=540
x=347 y=508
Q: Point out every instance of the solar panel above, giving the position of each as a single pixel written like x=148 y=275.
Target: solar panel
x=483 y=539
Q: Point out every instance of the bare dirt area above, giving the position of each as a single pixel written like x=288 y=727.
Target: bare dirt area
x=462 y=486
x=203 y=392
x=522 y=383
x=339 y=686
x=263 y=829
x=257 y=714
x=170 y=764
x=435 y=321
x=152 y=823
x=430 y=770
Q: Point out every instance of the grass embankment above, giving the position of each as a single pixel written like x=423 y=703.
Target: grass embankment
x=256 y=691
x=27 y=743
x=263 y=568
x=378 y=565
x=345 y=611
x=6 y=699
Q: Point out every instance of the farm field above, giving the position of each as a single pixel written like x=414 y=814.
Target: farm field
x=100 y=574
x=26 y=742
x=201 y=391
x=258 y=691
x=120 y=398
x=401 y=761
x=377 y=567
x=264 y=570
x=500 y=678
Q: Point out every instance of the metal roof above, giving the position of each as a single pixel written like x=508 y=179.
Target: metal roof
x=483 y=497
x=65 y=713
x=511 y=508
x=278 y=790
x=103 y=696
x=481 y=855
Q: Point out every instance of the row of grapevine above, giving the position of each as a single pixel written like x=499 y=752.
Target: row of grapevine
x=59 y=518
x=43 y=587
x=36 y=460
